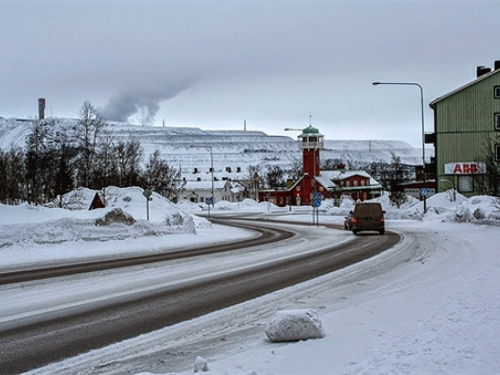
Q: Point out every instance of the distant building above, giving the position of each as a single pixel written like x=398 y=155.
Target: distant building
x=316 y=185
x=466 y=125
x=414 y=188
x=199 y=191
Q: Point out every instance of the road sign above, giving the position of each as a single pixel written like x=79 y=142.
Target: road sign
x=317 y=195
x=147 y=193
x=208 y=200
x=424 y=192
x=317 y=203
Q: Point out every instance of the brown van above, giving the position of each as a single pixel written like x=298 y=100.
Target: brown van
x=367 y=216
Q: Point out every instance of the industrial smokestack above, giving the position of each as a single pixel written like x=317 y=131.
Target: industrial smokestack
x=41 y=108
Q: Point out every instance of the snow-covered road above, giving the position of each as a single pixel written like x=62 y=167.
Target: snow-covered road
x=33 y=298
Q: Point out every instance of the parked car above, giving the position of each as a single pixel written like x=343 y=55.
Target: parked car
x=347 y=221
x=368 y=216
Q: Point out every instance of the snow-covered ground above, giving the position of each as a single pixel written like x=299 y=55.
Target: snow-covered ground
x=427 y=306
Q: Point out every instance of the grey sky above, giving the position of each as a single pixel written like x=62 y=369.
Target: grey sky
x=215 y=64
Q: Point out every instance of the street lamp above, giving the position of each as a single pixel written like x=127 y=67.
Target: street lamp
x=423 y=127
x=211 y=168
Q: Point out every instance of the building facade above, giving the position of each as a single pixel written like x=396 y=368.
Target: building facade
x=316 y=185
x=466 y=128
x=201 y=191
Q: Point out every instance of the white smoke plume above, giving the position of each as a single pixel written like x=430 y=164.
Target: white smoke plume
x=143 y=103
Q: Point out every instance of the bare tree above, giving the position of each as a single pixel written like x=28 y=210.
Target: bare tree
x=396 y=176
x=488 y=183
x=275 y=177
x=105 y=169
x=39 y=160
x=129 y=156
x=12 y=174
x=161 y=177
x=87 y=131
x=254 y=181
x=296 y=171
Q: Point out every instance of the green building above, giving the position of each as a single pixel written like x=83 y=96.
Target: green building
x=466 y=130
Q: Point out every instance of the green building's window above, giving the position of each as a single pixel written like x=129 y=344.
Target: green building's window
x=497 y=92
x=497 y=121
x=497 y=152
x=465 y=184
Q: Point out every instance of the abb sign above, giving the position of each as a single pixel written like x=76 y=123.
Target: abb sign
x=464 y=168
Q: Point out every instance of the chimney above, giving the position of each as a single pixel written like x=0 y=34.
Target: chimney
x=41 y=108
x=497 y=64
x=482 y=70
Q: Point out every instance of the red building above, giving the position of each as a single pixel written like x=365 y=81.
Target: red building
x=316 y=185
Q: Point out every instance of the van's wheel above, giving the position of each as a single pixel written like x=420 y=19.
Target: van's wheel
x=382 y=231
x=355 y=232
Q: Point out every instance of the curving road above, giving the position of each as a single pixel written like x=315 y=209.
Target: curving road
x=265 y=236
x=34 y=341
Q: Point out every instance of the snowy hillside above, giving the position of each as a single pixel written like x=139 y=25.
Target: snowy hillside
x=231 y=149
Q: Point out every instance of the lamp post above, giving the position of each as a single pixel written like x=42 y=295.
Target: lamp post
x=423 y=126
x=211 y=168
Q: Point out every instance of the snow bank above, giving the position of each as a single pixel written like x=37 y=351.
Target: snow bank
x=447 y=206
x=126 y=216
x=294 y=325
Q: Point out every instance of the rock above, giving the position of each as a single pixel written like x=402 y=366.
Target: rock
x=294 y=325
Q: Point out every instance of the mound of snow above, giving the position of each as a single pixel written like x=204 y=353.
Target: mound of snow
x=326 y=205
x=188 y=206
x=225 y=206
x=247 y=202
x=294 y=325
x=480 y=208
x=116 y=215
x=200 y=365
x=126 y=216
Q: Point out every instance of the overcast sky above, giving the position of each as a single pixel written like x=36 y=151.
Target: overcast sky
x=216 y=64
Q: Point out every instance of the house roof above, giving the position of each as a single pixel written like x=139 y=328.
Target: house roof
x=205 y=185
x=327 y=179
x=479 y=79
x=339 y=176
x=324 y=181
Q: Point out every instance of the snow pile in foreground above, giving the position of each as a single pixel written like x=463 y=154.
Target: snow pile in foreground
x=294 y=325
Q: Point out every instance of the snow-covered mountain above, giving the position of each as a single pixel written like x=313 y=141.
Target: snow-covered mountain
x=232 y=150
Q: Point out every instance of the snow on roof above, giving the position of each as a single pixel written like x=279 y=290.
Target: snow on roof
x=205 y=185
x=326 y=182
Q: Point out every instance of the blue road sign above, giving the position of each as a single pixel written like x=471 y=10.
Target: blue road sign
x=208 y=200
x=317 y=203
x=424 y=192
x=317 y=195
